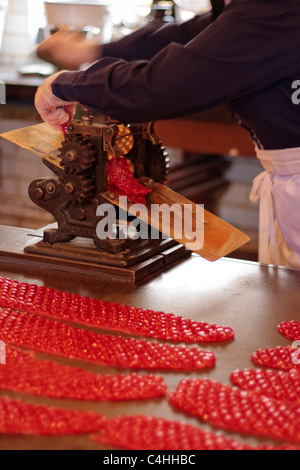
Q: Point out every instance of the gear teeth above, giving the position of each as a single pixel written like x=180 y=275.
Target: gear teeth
x=85 y=155
x=159 y=164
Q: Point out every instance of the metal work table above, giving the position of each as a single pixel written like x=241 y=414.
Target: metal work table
x=251 y=298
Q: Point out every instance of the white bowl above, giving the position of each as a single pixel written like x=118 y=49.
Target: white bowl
x=73 y=13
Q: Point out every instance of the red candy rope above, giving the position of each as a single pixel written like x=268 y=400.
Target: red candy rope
x=18 y=417
x=284 y=358
x=123 y=183
x=98 y=314
x=65 y=128
x=239 y=411
x=23 y=372
x=280 y=385
x=290 y=330
x=149 y=433
x=60 y=339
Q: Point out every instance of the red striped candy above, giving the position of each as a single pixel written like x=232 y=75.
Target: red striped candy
x=25 y=373
x=236 y=410
x=19 y=417
x=150 y=433
x=99 y=314
x=60 y=339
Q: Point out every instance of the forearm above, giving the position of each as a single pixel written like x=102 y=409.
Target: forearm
x=176 y=82
x=145 y=43
x=68 y=50
x=225 y=62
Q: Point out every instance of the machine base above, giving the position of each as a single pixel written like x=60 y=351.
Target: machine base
x=25 y=249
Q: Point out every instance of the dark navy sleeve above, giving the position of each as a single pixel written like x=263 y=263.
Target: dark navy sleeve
x=251 y=46
x=148 y=41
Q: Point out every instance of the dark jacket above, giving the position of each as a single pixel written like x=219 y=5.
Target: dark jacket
x=248 y=58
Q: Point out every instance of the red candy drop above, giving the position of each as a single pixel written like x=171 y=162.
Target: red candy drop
x=65 y=129
x=123 y=183
x=150 y=433
x=280 y=385
x=99 y=314
x=18 y=417
x=25 y=373
x=60 y=339
x=290 y=330
x=284 y=358
x=235 y=410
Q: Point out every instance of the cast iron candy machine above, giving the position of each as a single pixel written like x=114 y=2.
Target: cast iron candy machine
x=94 y=165
x=97 y=162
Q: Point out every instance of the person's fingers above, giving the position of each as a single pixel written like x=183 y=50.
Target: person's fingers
x=55 y=116
x=51 y=109
x=70 y=110
x=69 y=50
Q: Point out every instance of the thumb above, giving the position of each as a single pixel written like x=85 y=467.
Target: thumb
x=58 y=115
x=70 y=110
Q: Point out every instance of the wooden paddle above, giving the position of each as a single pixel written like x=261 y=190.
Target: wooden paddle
x=40 y=139
x=179 y=218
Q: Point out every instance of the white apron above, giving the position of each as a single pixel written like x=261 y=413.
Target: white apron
x=278 y=189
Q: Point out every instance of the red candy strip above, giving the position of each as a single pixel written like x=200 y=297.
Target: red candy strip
x=23 y=372
x=239 y=411
x=149 y=433
x=18 y=417
x=98 y=314
x=65 y=128
x=60 y=339
x=280 y=385
x=290 y=330
x=123 y=183
x=284 y=358
x=136 y=198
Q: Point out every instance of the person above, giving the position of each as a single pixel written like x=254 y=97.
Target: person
x=246 y=58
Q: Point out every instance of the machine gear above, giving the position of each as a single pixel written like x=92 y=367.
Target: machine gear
x=77 y=154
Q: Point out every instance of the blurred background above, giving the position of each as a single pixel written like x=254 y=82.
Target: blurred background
x=24 y=23
x=203 y=148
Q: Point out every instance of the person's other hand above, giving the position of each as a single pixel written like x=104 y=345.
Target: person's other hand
x=51 y=109
x=68 y=50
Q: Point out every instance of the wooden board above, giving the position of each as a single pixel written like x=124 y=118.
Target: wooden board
x=24 y=249
x=40 y=139
x=187 y=223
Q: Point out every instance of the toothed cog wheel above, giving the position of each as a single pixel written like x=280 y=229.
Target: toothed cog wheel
x=157 y=164
x=78 y=188
x=77 y=155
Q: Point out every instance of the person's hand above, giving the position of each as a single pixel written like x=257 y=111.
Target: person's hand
x=68 y=50
x=51 y=109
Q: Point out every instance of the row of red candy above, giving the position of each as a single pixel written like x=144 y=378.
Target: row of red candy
x=60 y=339
x=95 y=313
x=233 y=411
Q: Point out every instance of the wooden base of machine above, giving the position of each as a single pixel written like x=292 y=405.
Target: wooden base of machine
x=143 y=260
